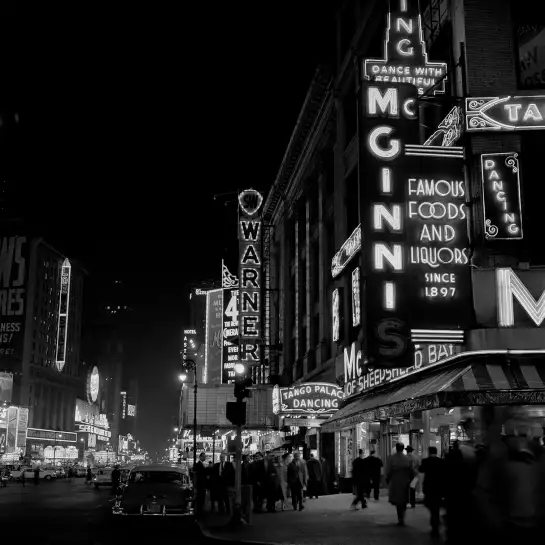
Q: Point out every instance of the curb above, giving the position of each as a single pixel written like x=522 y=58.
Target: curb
x=211 y=538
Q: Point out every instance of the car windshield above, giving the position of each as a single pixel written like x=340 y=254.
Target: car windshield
x=162 y=477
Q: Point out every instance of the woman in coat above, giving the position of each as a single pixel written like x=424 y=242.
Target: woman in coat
x=283 y=475
x=399 y=474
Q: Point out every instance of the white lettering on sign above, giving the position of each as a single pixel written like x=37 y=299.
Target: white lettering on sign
x=250 y=275
x=312 y=397
x=335 y=307
x=424 y=356
x=509 y=287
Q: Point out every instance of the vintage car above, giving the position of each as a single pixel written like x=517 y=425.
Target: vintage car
x=45 y=473
x=155 y=490
x=103 y=477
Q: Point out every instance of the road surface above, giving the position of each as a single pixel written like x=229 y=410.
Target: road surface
x=59 y=513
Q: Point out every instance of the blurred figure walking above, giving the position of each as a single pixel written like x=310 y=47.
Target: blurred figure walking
x=360 y=479
x=433 y=470
x=399 y=474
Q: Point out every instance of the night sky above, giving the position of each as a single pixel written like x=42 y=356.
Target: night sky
x=132 y=120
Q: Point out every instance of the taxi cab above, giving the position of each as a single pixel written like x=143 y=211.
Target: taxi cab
x=103 y=477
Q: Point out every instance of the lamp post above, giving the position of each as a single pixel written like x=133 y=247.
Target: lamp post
x=190 y=365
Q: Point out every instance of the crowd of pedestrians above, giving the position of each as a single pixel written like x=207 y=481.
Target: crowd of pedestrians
x=276 y=481
x=490 y=493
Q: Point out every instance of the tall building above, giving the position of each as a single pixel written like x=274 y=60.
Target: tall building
x=424 y=318
x=41 y=318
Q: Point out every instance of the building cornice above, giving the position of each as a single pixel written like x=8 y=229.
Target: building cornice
x=317 y=96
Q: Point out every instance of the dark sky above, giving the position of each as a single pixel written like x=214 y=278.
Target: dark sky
x=133 y=120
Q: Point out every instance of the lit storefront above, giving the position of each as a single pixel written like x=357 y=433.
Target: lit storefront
x=13 y=433
x=302 y=409
x=94 y=434
x=52 y=446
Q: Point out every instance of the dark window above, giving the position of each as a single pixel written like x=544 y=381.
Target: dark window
x=529 y=30
x=352 y=201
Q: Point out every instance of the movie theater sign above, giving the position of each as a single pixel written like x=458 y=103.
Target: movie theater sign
x=311 y=398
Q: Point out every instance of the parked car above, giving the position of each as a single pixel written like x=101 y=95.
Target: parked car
x=46 y=474
x=103 y=477
x=155 y=490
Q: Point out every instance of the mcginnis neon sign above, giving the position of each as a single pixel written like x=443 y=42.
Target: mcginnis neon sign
x=405 y=56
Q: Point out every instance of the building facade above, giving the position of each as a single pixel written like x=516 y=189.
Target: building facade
x=42 y=295
x=425 y=319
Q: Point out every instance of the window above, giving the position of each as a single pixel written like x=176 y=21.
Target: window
x=352 y=202
x=529 y=30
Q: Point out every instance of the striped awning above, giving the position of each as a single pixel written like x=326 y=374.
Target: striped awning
x=483 y=379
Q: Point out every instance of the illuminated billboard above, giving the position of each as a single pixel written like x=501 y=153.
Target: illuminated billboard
x=502 y=207
x=213 y=337
x=316 y=398
x=230 y=335
x=436 y=230
x=250 y=276
x=64 y=307
x=6 y=387
x=14 y=253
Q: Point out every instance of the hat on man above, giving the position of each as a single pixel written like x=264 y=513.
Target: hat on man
x=409 y=448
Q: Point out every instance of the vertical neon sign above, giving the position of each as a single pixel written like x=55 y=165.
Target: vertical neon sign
x=64 y=307
x=250 y=276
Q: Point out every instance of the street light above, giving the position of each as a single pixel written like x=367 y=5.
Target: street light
x=190 y=365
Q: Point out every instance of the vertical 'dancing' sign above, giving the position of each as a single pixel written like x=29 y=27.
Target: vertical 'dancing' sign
x=250 y=276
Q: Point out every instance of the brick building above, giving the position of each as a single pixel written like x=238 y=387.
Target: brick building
x=317 y=255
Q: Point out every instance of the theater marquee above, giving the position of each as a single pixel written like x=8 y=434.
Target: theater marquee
x=316 y=398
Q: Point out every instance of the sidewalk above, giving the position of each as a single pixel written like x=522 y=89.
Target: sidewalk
x=327 y=521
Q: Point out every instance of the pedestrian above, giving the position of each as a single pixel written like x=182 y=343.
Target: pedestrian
x=314 y=476
x=373 y=469
x=283 y=478
x=326 y=476
x=22 y=478
x=255 y=472
x=399 y=474
x=116 y=478
x=359 y=480
x=432 y=468
x=415 y=464
x=223 y=478
x=89 y=475
x=37 y=476
x=298 y=480
x=200 y=474
x=4 y=477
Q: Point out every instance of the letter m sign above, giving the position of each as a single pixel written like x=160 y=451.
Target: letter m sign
x=509 y=287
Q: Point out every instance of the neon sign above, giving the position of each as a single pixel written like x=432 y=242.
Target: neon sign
x=510 y=287
x=356 y=304
x=123 y=404
x=250 y=277
x=131 y=410
x=93 y=385
x=228 y=280
x=213 y=339
x=405 y=56
x=308 y=398
x=437 y=236
x=64 y=307
x=348 y=250
x=505 y=113
x=336 y=312
x=389 y=122
x=230 y=334
x=502 y=210
x=425 y=355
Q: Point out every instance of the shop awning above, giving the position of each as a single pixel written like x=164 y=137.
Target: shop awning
x=476 y=380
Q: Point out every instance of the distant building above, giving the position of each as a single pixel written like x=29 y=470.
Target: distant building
x=40 y=334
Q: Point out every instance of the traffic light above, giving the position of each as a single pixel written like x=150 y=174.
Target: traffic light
x=236 y=412
x=242 y=381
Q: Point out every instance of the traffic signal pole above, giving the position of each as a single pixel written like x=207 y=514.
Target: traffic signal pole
x=238 y=519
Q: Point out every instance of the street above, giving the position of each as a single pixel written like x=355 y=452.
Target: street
x=62 y=512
